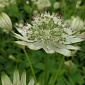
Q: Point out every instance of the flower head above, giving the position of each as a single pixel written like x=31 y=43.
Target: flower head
x=16 y=81
x=48 y=32
x=5 y=22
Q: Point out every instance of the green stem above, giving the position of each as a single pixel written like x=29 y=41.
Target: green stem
x=58 y=70
x=45 y=70
x=30 y=64
x=52 y=62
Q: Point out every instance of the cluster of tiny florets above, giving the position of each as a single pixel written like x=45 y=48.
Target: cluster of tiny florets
x=47 y=27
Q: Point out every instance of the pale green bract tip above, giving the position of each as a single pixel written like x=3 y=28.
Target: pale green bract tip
x=16 y=80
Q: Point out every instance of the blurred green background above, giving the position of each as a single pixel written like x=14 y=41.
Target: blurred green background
x=21 y=11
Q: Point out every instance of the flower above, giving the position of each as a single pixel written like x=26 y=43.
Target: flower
x=41 y=4
x=56 y=5
x=5 y=22
x=48 y=32
x=16 y=81
x=77 y=24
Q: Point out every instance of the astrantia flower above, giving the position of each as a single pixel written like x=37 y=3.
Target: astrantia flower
x=16 y=81
x=48 y=32
x=5 y=22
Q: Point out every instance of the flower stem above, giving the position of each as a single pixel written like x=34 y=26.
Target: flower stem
x=52 y=62
x=30 y=64
x=58 y=70
x=45 y=70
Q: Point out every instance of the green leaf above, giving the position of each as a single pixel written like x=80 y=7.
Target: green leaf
x=40 y=66
x=27 y=8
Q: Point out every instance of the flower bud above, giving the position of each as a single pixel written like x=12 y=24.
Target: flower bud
x=35 y=11
x=77 y=24
x=56 y=5
x=78 y=4
x=82 y=35
x=69 y=63
x=43 y=3
x=5 y=22
x=27 y=2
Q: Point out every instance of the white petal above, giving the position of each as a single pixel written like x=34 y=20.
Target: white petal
x=5 y=79
x=72 y=47
x=31 y=82
x=59 y=48
x=36 y=45
x=48 y=48
x=70 y=40
x=63 y=51
x=16 y=80
x=21 y=43
x=68 y=31
x=37 y=84
x=23 y=78
x=21 y=31
x=65 y=46
x=22 y=38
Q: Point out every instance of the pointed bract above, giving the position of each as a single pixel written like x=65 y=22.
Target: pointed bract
x=23 y=78
x=16 y=80
x=5 y=79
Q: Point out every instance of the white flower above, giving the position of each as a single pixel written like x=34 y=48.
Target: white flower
x=16 y=80
x=43 y=3
x=56 y=5
x=48 y=34
x=5 y=22
x=77 y=24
